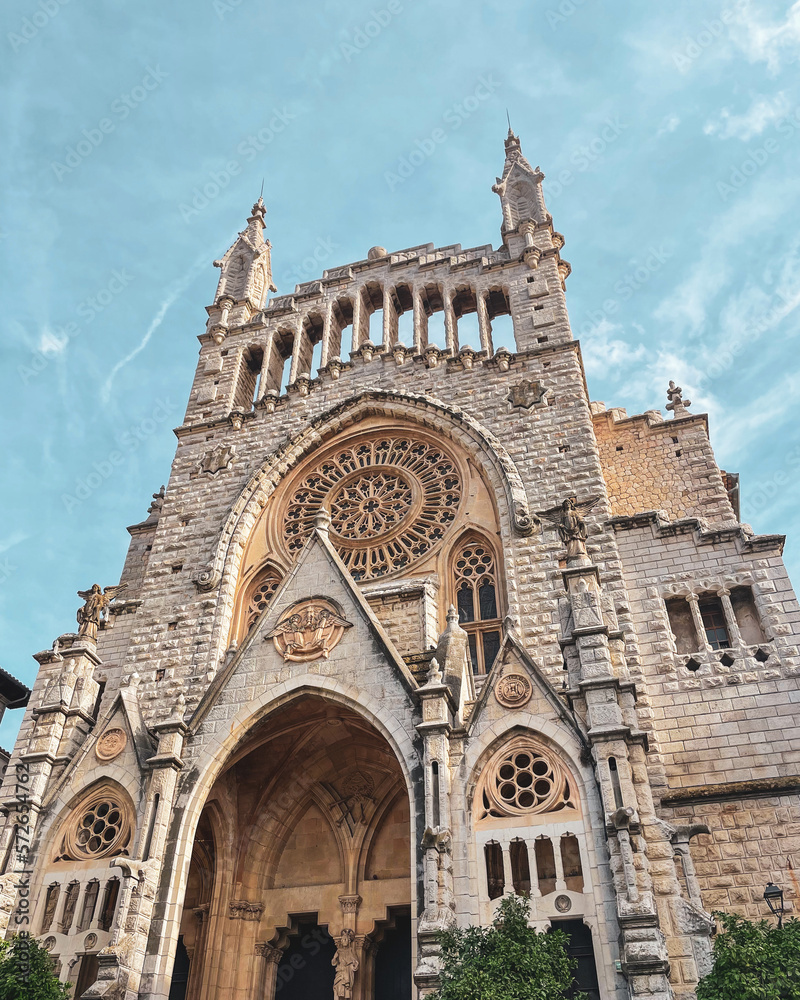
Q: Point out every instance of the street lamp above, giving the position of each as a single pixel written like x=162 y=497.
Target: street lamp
x=774 y=897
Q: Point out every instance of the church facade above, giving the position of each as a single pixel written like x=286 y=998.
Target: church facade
x=413 y=626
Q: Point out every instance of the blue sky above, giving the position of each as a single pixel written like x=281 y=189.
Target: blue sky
x=135 y=139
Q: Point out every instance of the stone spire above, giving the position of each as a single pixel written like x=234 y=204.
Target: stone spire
x=520 y=189
x=247 y=266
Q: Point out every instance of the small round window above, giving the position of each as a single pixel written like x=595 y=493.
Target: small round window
x=525 y=777
x=98 y=827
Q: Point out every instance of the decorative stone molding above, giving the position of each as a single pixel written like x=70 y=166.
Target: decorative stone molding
x=111 y=744
x=513 y=690
x=242 y=909
x=219 y=459
x=308 y=631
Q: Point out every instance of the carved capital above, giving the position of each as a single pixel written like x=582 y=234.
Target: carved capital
x=242 y=909
x=350 y=904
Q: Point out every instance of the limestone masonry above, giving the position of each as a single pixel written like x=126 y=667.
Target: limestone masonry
x=413 y=625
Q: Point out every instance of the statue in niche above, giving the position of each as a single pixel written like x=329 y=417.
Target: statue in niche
x=95 y=608
x=346 y=964
x=569 y=519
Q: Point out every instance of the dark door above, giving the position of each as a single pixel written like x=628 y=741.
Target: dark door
x=305 y=972
x=393 y=962
x=180 y=972
x=87 y=975
x=580 y=947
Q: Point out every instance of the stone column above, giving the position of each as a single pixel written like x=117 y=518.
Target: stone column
x=388 y=319
x=326 y=338
x=484 y=325
x=450 y=329
x=420 y=323
x=358 y=313
x=694 y=604
x=436 y=847
x=730 y=618
x=266 y=970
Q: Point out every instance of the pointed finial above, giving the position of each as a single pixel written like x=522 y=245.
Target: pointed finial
x=508 y=119
x=322 y=521
x=261 y=195
x=434 y=672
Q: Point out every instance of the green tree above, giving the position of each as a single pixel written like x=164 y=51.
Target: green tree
x=753 y=961
x=507 y=961
x=26 y=972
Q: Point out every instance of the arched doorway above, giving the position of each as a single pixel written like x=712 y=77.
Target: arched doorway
x=301 y=854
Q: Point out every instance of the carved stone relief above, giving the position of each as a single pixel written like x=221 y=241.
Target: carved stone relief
x=308 y=631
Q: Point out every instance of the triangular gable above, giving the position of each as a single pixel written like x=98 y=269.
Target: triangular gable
x=317 y=563
x=124 y=714
x=512 y=650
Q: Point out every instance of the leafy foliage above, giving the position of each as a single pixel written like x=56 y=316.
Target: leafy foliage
x=753 y=961
x=507 y=961
x=26 y=972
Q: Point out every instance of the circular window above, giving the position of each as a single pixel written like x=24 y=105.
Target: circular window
x=99 y=827
x=525 y=778
x=391 y=500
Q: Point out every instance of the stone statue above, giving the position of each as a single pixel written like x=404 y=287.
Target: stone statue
x=95 y=608
x=346 y=965
x=676 y=401
x=568 y=518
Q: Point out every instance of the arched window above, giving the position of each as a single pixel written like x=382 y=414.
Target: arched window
x=545 y=865
x=89 y=903
x=520 y=867
x=495 y=876
x=477 y=600
x=110 y=895
x=571 y=862
x=50 y=903
x=261 y=594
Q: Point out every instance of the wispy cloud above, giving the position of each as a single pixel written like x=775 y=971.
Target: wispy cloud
x=774 y=43
x=605 y=352
x=764 y=111
x=13 y=539
x=52 y=343
x=175 y=291
x=669 y=124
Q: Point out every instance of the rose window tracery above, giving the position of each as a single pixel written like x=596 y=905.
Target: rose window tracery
x=391 y=500
x=525 y=778
x=100 y=826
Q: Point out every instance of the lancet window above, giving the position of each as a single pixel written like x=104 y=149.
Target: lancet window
x=476 y=597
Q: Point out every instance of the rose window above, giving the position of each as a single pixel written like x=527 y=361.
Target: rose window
x=370 y=504
x=391 y=501
x=525 y=778
x=99 y=827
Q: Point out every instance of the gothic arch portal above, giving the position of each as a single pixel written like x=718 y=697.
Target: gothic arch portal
x=307 y=818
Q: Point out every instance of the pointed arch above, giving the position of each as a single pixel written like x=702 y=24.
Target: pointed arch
x=484 y=449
